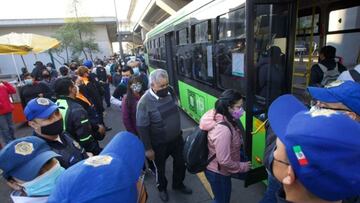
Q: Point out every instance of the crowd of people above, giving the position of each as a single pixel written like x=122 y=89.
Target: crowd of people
x=311 y=152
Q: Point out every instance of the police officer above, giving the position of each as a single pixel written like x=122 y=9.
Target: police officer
x=44 y=117
x=120 y=165
x=315 y=153
x=75 y=118
x=30 y=168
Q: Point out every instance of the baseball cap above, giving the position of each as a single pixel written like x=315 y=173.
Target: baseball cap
x=322 y=146
x=282 y=110
x=88 y=63
x=24 y=157
x=346 y=92
x=39 y=108
x=110 y=176
x=38 y=63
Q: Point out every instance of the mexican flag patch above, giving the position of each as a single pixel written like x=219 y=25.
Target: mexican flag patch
x=300 y=155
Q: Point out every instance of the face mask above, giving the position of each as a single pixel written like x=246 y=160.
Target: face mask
x=48 y=68
x=136 y=71
x=237 y=113
x=53 y=129
x=136 y=87
x=28 y=82
x=163 y=92
x=44 y=184
x=125 y=80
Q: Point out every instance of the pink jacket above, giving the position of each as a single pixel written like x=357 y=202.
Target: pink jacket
x=225 y=144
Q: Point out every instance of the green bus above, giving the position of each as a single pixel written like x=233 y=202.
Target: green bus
x=262 y=48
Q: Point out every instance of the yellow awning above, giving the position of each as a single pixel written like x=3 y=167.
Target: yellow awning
x=23 y=43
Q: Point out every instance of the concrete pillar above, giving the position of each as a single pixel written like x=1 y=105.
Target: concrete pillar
x=168 y=6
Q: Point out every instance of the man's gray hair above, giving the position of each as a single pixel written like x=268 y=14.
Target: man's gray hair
x=156 y=75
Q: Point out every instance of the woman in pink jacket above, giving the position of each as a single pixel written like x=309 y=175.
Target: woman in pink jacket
x=225 y=143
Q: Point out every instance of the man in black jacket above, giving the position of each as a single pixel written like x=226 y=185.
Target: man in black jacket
x=75 y=118
x=37 y=71
x=326 y=63
x=33 y=89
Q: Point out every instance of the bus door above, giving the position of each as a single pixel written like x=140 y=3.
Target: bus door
x=270 y=37
x=170 y=59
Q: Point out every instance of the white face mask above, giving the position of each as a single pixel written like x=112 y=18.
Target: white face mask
x=28 y=81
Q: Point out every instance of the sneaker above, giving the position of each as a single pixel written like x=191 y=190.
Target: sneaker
x=183 y=189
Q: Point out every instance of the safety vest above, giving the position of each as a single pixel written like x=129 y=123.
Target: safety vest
x=62 y=103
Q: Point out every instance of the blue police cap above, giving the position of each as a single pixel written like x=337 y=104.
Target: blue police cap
x=24 y=157
x=322 y=147
x=39 y=108
x=108 y=177
x=88 y=63
x=346 y=92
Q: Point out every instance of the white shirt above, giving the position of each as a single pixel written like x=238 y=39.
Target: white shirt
x=344 y=76
x=16 y=198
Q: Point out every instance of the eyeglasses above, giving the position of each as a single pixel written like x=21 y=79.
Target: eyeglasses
x=336 y=109
x=281 y=161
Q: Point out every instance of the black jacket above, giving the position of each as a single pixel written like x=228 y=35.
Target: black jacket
x=76 y=122
x=93 y=118
x=92 y=92
x=69 y=150
x=29 y=92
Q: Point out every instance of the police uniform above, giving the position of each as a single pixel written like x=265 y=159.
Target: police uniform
x=71 y=152
x=76 y=122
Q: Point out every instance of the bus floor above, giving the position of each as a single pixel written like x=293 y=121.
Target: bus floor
x=198 y=183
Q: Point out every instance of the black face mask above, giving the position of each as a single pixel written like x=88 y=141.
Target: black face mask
x=163 y=92
x=53 y=129
x=46 y=76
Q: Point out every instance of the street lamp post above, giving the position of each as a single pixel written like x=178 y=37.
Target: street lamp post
x=118 y=34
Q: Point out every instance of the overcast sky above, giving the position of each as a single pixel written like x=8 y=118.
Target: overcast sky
x=28 y=9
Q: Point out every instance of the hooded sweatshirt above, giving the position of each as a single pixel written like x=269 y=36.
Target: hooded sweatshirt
x=224 y=143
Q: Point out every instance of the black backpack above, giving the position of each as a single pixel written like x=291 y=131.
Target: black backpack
x=196 y=150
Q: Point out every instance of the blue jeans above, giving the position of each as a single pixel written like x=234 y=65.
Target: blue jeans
x=220 y=185
x=271 y=190
x=6 y=128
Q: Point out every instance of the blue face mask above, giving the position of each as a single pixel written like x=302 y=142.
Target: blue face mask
x=125 y=80
x=43 y=184
x=28 y=82
x=136 y=71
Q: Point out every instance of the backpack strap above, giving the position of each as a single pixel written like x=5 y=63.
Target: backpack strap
x=355 y=75
x=214 y=156
x=322 y=67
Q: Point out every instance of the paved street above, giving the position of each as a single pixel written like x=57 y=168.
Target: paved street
x=113 y=119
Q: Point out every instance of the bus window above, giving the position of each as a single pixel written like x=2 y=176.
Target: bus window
x=270 y=51
x=230 y=51
x=183 y=53
x=304 y=24
x=202 y=64
x=184 y=61
x=344 y=19
x=201 y=31
x=344 y=25
x=232 y=24
x=183 y=36
x=162 y=48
